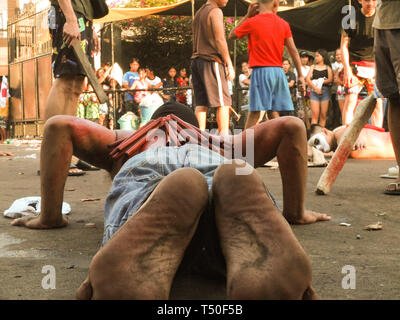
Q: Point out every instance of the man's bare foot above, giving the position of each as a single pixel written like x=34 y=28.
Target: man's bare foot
x=141 y=259
x=34 y=222
x=311 y=217
x=6 y=153
x=263 y=257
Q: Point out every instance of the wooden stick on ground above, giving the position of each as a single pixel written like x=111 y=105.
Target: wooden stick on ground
x=362 y=114
x=305 y=109
x=85 y=64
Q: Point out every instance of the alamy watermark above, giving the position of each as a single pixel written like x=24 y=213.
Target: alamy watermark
x=349 y=20
x=349 y=280
x=49 y=280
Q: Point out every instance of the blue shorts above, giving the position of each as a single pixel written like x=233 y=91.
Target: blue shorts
x=326 y=95
x=269 y=90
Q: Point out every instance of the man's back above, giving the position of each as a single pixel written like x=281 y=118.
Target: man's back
x=203 y=39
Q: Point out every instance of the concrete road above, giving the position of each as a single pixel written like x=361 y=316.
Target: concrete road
x=356 y=198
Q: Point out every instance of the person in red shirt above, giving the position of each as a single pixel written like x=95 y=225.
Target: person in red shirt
x=267 y=35
x=183 y=81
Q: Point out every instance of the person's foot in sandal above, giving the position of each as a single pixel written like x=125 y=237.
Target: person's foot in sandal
x=393 y=188
x=83 y=165
x=76 y=172
x=73 y=171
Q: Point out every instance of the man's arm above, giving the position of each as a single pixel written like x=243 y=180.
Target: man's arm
x=251 y=12
x=344 y=49
x=64 y=136
x=286 y=139
x=217 y=28
x=289 y=44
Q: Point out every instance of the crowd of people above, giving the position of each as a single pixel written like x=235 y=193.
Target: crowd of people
x=132 y=95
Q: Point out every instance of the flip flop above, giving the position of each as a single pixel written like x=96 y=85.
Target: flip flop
x=392 y=173
x=73 y=171
x=76 y=172
x=396 y=190
x=83 y=165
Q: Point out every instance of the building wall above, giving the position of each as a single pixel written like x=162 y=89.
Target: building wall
x=3 y=38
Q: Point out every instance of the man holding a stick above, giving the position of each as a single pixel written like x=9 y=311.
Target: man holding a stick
x=387 y=58
x=69 y=20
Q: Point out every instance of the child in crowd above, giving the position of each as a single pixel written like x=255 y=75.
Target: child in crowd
x=268 y=34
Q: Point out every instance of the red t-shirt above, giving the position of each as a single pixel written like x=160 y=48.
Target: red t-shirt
x=266 y=33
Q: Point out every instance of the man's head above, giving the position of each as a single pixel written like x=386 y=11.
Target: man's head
x=181 y=111
x=273 y=4
x=368 y=7
x=134 y=65
x=172 y=107
x=221 y=3
x=321 y=138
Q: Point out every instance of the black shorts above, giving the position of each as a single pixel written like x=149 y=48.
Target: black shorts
x=64 y=60
x=387 y=59
x=210 y=85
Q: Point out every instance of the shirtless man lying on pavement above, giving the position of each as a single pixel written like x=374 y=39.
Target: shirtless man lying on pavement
x=154 y=208
x=372 y=143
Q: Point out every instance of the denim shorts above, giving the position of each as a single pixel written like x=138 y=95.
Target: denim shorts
x=269 y=90
x=326 y=95
x=140 y=175
x=138 y=178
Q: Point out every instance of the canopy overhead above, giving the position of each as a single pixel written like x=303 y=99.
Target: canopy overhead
x=181 y=8
x=315 y=25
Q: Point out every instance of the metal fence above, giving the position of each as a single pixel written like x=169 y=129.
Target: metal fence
x=117 y=106
x=29 y=61
x=30 y=75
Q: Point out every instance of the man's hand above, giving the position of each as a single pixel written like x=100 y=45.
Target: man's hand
x=71 y=32
x=33 y=222
x=253 y=9
x=301 y=85
x=349 y=79
x=96 y=43
x=230 y=73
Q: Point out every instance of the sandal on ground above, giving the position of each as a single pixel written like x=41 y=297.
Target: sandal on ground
x=73 y=171
x=392 y=173
x=83 y=165
x=393 y=188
